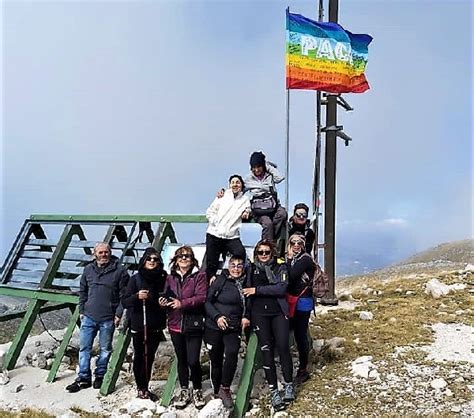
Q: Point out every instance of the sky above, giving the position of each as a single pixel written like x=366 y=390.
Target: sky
x=147 y=107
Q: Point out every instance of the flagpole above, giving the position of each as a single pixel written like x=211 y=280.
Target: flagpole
x=330 y=184
x=317 y=162
x=287 y=148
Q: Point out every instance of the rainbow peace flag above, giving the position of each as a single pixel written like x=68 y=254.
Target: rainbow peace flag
x=324 y=56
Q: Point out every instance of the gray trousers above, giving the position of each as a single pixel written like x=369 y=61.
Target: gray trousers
x=271 y=225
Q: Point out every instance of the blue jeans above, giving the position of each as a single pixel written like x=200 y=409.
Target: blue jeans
x=87 y=334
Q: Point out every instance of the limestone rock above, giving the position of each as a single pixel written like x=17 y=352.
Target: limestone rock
x=363 y=367
x=469 y=267
x=436 y=289
x=169 y=414
x=70 y=414
x=366 y=316
x=4 y=377
x=2 y=357
x=439 y=383
x=214 y=409
x=137 y=405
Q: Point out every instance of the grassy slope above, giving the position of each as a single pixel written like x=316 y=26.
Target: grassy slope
x=332 y=391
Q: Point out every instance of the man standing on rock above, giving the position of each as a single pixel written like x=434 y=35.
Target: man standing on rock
x=100 y=312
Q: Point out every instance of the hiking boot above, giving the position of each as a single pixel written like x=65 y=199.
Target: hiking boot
x=77 y=385
x=301 y=377
x=277 y=402
x=184 y=398
x=198 y=399
x=226 y=396
x=289 y=395
x=98 y=382
x=151 y=396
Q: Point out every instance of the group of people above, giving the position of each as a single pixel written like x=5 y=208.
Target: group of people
x=269 y=296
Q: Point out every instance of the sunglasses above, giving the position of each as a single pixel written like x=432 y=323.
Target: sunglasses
x=264 y=252
x=300 y=243
x=154 y=259
x=301 y=215
x=236 y=266
x=184 y=256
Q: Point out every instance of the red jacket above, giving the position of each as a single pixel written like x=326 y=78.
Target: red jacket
x=191 y=291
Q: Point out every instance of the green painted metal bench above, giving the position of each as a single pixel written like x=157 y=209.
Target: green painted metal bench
x=46 y=261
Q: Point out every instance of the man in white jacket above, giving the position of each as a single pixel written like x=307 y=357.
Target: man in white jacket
x=225 y=217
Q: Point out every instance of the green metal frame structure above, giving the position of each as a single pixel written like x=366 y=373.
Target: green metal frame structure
x=46 y=271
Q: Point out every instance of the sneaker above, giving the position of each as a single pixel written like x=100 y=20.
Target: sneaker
x=183 y=399
x=98 y=382
x=289 y=395
x=226 y=396
x=277 y=402
x=77 y=385
x=142 y=394
x=301 y=377
x=198 y=399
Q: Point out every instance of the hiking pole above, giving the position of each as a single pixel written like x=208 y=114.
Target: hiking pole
x=145 y=338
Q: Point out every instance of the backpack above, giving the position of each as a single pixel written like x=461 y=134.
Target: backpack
x=319 y=283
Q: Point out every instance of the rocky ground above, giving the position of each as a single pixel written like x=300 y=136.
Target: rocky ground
x=397 y=344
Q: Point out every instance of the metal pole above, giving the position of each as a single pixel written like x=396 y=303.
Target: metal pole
x=330 y=184
x=145 y=340
x=287 y=152
x=317 y=161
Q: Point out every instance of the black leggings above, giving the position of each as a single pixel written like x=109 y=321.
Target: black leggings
x=299 y=324
x=273 y=331
x=142 y=367
x=223 y=352
x=188 y=350
x=216 y=246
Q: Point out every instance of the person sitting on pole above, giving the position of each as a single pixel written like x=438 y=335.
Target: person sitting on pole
x=299 y=223
x=225 y=215
x=99 y=311
x=222 y=335
x=147 y=318
x=266 y=208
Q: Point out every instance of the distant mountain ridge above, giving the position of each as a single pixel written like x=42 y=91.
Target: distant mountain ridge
x=449 y=256
x=455 y=252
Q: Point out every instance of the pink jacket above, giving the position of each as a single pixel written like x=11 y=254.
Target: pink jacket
x=191 y=291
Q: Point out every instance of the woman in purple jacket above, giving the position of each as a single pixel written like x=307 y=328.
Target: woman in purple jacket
x=185 y=293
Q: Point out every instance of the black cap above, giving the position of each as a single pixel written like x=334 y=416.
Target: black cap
x=257 y=159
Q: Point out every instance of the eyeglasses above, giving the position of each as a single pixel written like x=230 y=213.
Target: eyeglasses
x=301 y=215
x=300 y=243
x=236 y=266
x=264 y=252
x=184 y=256
x=154 y=259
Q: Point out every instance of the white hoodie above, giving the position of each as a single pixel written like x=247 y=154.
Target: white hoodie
x=225 y=213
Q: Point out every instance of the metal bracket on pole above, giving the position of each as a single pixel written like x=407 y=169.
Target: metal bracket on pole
x=339 y=132
x=339 y=100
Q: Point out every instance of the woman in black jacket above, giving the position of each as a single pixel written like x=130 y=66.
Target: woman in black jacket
x=300 y=271
x=224 y=311
x=141 y=296
x=267 y=310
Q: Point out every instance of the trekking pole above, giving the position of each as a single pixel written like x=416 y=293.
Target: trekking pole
x=145 y=338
